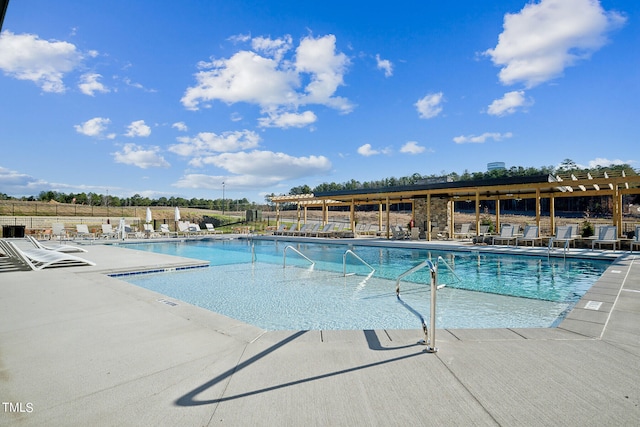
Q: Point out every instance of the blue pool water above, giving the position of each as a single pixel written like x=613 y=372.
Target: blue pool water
x=494 y=291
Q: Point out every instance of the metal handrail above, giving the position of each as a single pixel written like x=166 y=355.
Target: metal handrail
x=429 y=334
x=344 y=262
x=446 y=264
x=284 y=253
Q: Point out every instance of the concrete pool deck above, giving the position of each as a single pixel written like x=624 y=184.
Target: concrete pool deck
x=80 y=348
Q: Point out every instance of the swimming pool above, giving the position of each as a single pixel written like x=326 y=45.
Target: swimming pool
x=494 y=291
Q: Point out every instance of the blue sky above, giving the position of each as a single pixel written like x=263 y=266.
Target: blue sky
x=166 y=98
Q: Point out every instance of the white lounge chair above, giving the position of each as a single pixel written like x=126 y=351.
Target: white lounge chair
x=82 y=231
x=531 y=234
x=57 y=248
x=608 y=235
x=185 y=228
x=564 y=234
x=164 y=229
x=465 y=231
x=108 y=232
x=37 y=259
x=212 y=229
x=506 y=234
x=58 y=230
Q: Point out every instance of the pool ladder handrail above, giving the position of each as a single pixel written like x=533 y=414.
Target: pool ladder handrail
x=550 y=247
x=429 y=333
x=344 y=262
x=284 y=254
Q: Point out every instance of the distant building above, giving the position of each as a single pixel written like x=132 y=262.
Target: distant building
x=495 y=166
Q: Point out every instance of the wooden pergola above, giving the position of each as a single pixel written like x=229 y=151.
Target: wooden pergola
x=615 y=184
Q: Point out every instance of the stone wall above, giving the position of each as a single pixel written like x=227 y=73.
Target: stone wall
x=440 y=214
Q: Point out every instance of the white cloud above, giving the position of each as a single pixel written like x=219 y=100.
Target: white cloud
x=481 y=139
x=367 y=150
x=89 y=84
x=269 y=79
x=181 y=126
x=508 y=104
x=138 y=128
x=599 y=161
x=95 y=127
x=206 y=143
x=326 y=68
x=27 y=57
x=287 y=120
x=275 y=48
x=545 y=37
x=19 y=184
x=384 y=64
x=430 y=105
x=136 y=155
x=412 y=147
x=255 y=170
x=245 y=77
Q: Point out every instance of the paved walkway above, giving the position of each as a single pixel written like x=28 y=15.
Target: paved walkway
x=80 y=348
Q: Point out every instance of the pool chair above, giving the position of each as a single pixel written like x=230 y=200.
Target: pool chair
x=506 y=234
x=82 y=231
x=211 y=229
x=636 y=238
x=164 y=230
x=311 y=230
x=37 y=259
x=530 y=234
x=56 y=248
x=108 y=232
x=564 y=235
x=607 y=235
x=464 y=233
x=58 y=230
x=184 y=228
x=326 y=231
x=291 y=230
x=278 y=231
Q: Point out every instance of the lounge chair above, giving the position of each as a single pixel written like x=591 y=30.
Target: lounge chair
x=465 y=231
x=310 y=231
x=82 y=231
x=607 y=235
x=531 y=234
x=164 y=229
x=108 y=232
x=636 y=238
x=506 y=233
x=37 y=259
x=564 y=234
x=57 y=248
x=281 y=229
x=291 y=230
x=185 y=228
x=211 y=229
x=326 y=231
x=57 y=229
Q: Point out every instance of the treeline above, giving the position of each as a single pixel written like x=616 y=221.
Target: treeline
x=95 y=199
x=567 y=166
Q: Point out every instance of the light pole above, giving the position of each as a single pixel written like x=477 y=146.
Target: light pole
x=223 y=198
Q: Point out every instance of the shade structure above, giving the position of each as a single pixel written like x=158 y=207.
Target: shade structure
x=176 y=214
x=148 y=218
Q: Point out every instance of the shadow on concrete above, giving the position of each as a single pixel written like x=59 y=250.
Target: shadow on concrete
x=190 y=399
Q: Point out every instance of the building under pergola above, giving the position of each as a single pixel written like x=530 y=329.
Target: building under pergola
x=433 y=203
